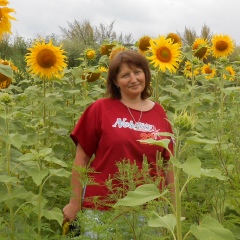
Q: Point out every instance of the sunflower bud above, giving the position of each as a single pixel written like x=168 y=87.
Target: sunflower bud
x=196 y=61
x=184 y=121
x=6 y=98
x=224 y=60
x=90 y=54
x=39 y=125
x=143 y=43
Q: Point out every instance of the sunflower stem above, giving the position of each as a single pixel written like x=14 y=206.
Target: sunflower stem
x=39 y=211
x=157 y=84
x=44 y=106
x=192 y=91
x=9 y=185
x=176 y=171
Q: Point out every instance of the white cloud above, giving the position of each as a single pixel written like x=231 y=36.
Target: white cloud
x=139 y=17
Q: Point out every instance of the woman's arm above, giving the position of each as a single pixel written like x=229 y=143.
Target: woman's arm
x=74 y=206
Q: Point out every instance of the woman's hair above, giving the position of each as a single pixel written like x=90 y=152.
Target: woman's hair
x=131 y=58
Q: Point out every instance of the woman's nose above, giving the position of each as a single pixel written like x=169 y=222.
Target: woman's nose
x=133 y=77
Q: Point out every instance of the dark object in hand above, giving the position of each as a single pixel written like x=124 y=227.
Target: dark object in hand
x=72 y=229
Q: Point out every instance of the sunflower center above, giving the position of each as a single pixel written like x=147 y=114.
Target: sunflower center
x=208 y=70
x=3 y=77
x=46 y=58
x=221 y=45
x=90 y=54
x=164 y=54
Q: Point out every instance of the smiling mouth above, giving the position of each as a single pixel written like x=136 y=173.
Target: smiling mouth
x=133 y=86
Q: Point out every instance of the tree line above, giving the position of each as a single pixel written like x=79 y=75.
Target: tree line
x=80 y=35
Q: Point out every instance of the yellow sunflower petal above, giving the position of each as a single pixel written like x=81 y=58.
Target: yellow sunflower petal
x=189 y=71
x=5 y=23
x=230 y=73
x=45 y=60
x=4 y=2
x=209 y=71
x=115 y=50
x=175 y=37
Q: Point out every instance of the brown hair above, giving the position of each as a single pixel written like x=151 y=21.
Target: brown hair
x=130 y=57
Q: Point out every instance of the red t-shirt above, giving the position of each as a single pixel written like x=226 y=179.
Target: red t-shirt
x=107 y=131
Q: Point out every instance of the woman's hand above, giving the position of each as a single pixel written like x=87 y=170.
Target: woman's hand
x=70 y=212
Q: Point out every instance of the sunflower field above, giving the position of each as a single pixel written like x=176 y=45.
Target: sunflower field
x=197 y=83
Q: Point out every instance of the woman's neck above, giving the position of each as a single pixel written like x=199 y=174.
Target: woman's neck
x=135 y=103
x=138 y=104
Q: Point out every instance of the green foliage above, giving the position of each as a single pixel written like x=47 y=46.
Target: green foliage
x=36 y=152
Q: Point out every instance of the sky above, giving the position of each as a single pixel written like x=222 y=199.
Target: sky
x=138 y=17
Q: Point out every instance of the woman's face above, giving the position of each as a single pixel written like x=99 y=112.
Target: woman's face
x=131 y=81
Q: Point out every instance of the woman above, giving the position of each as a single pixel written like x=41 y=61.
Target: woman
x=110 y=129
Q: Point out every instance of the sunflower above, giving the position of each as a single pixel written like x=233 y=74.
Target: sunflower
x=92 y=76
x=209 y=71
x=46 y=60
x=115 y=50
x=165 y=54
x=230 y=73
x=106 y=49
x=175 y=38
x=143 y=44
x=200 y=48
x=5 y=62
x=189 y=71
x=5 y=81
x=5 y=23
x=222 y=45
x=90 y=54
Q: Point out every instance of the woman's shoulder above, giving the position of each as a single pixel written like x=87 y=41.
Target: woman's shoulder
x=158 y=107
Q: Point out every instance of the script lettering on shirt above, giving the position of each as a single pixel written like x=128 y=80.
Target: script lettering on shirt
x=142 y=127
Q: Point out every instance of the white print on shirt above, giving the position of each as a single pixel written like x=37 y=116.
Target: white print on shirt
x=141 y=127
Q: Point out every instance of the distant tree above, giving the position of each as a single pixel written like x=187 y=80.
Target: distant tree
x=19 y=48
x=56 y=39
x=235 y=56
x=104 y=32
x=81 y=33
x=189 y=35
x=14 y=48
x=206 y=32
x=5 y=47
x=73 y=51
x=86 y=34
x=126 y=40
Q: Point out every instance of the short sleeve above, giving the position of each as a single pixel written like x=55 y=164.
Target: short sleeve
x=87 y=130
